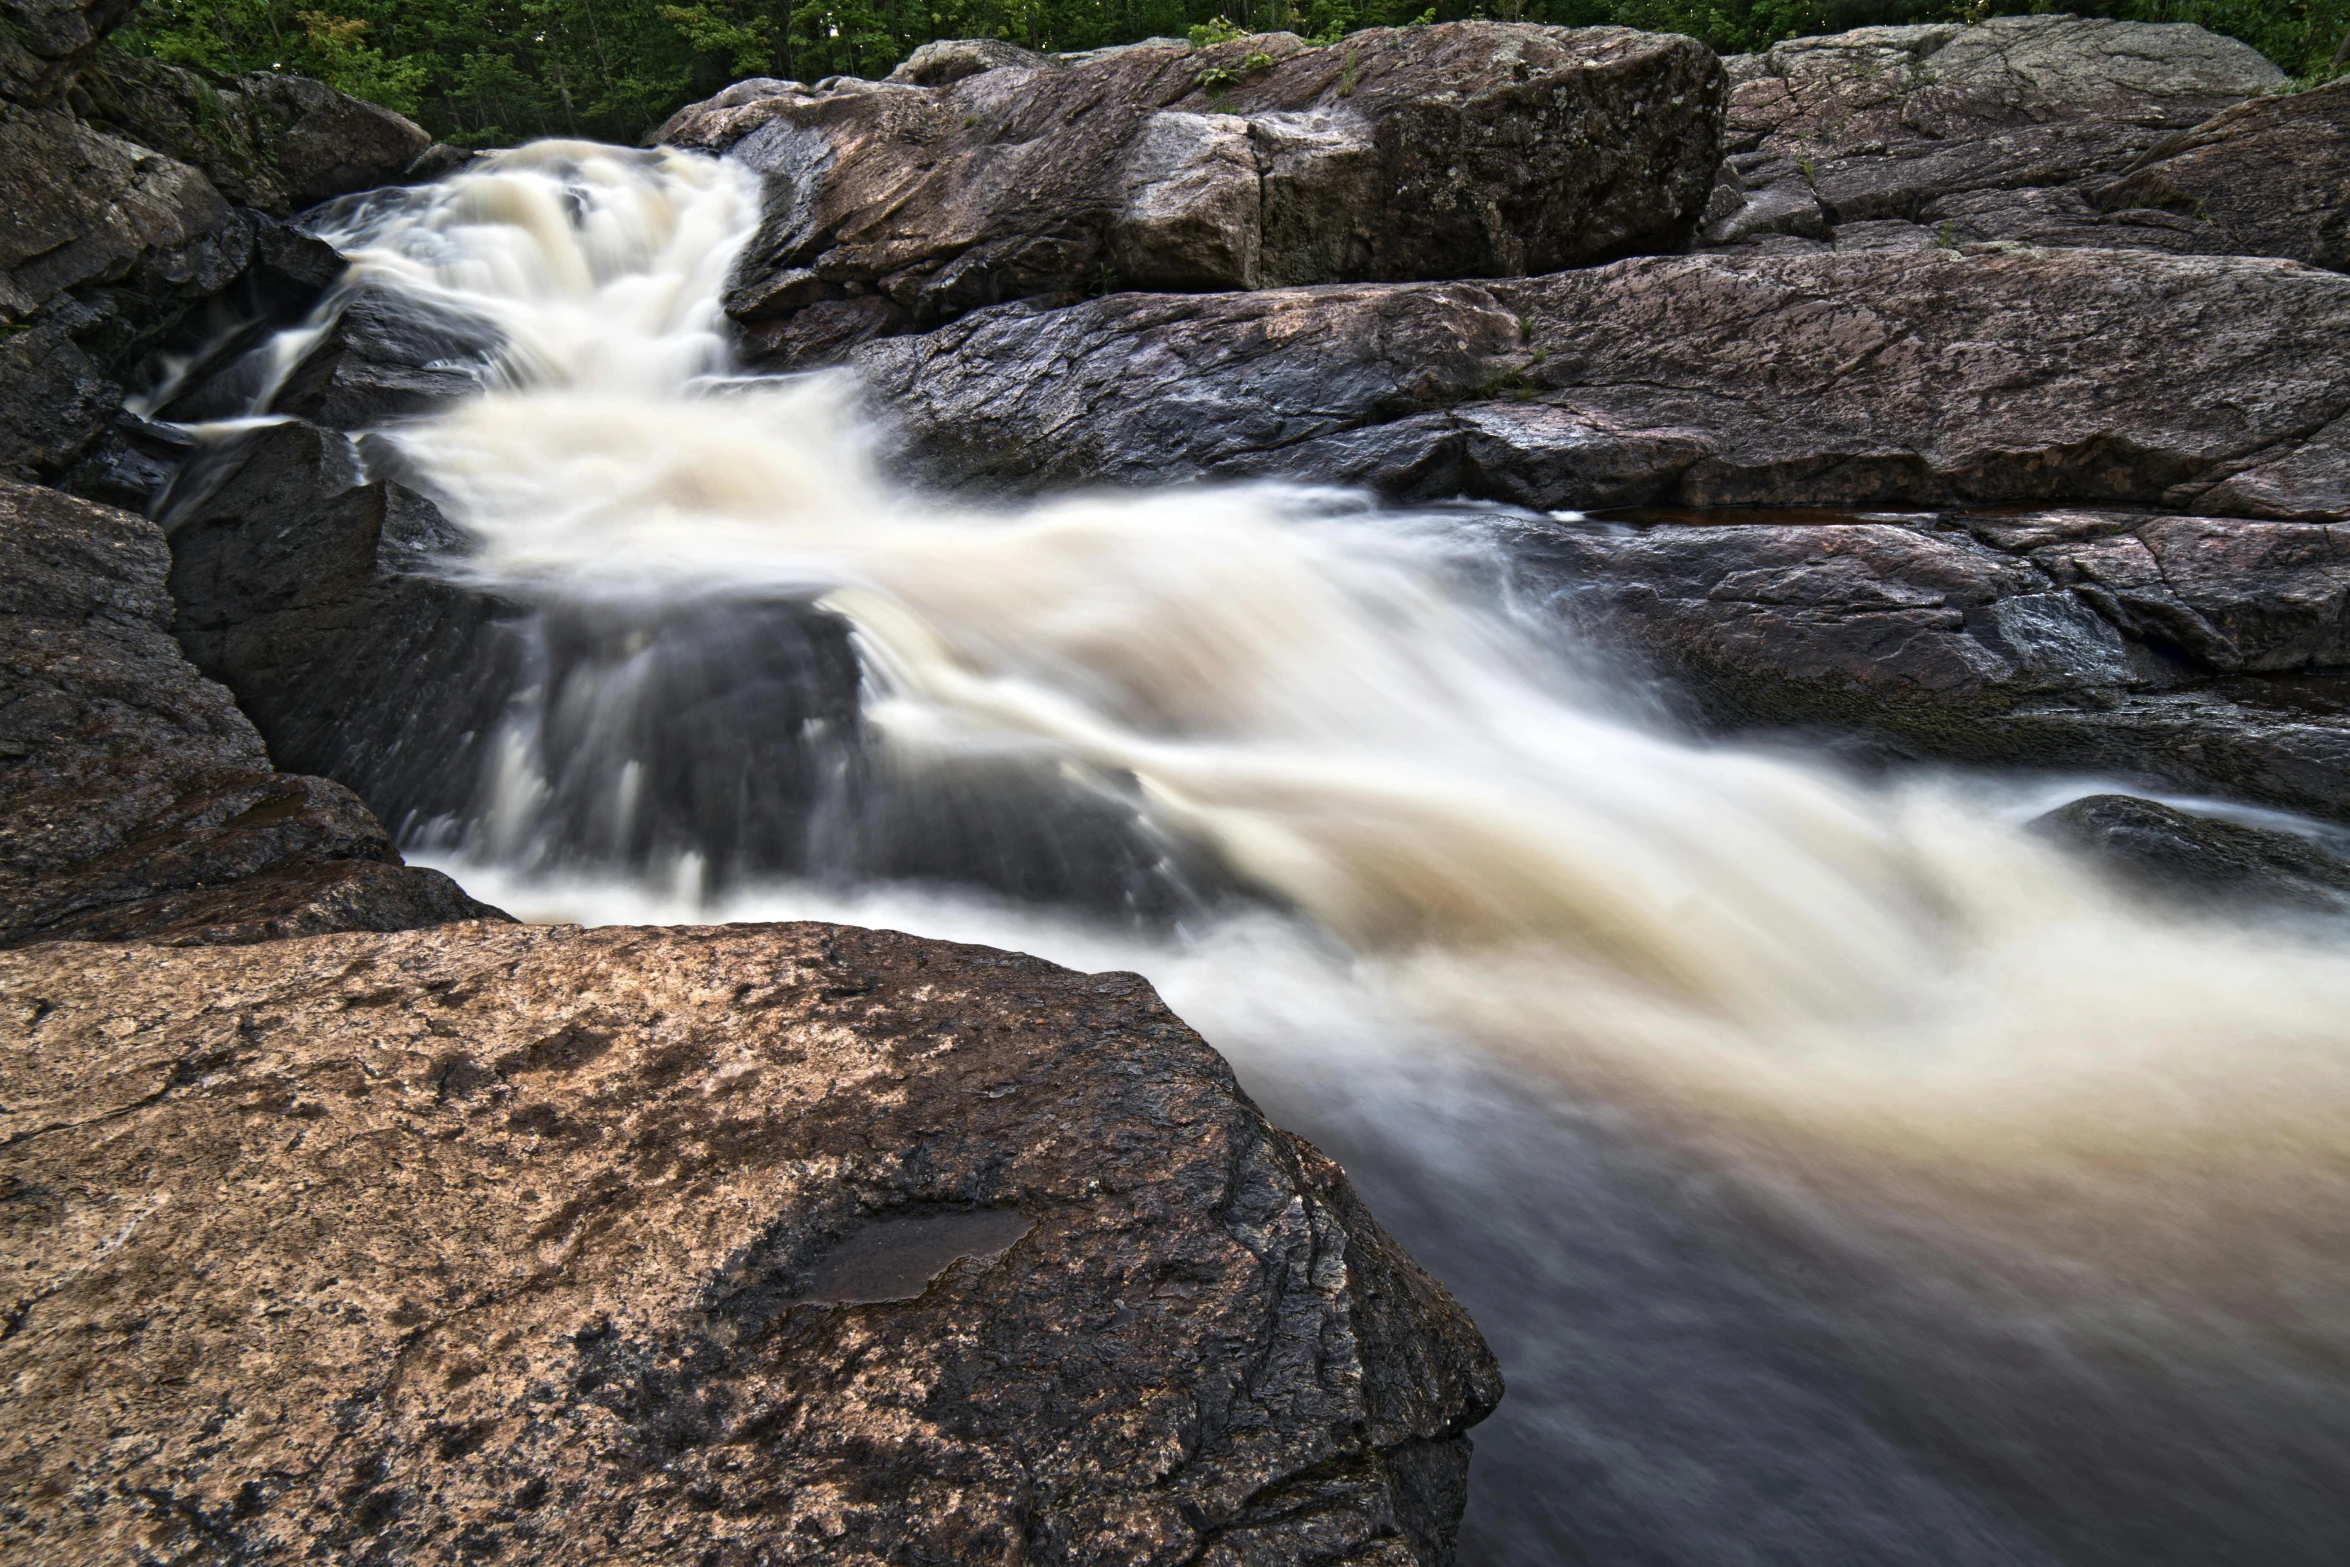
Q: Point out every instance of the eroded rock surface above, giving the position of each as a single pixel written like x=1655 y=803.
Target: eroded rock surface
x=1974 y=133
x=135 y=800
x=2201 y=653
x=1466 y=150
x=2200 y=384
x=773 y=1244
x=2272 y=177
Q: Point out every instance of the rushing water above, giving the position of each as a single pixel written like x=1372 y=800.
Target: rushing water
x=1841 y=1174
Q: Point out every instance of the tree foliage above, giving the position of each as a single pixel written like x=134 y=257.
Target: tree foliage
x=488 y=72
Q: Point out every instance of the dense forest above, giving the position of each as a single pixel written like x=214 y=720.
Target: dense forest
x=486 y=72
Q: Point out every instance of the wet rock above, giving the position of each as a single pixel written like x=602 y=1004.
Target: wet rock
x=135 y=800
x=1471 y=149
x=321 y=600
x=1884 y=122
x=2269 y=178
x=272 y=142
x=1982 y=638
x=783 y=1243
x=381 y=359
x=2200 y=862
x=1873 y=377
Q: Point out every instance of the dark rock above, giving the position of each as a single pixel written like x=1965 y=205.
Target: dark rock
x=135 y=800
x=795 y=1244
x=437 y=162
x=316 y=598
x=2200 y=862
x=1982 y=638
x=1879 y=377
x=381 y=359
x=43 y=43
x=276 y=143
x=2269 y=178
x=1883 y=122
x=1471 y=149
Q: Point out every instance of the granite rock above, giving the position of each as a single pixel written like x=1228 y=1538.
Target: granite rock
x=979 y=175
x=752 y=1244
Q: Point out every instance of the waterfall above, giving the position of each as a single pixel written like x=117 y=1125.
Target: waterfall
x=1449 y=901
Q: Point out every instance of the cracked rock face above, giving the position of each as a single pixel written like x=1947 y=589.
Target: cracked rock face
x=135 y=800
x=1950 y=127
x=983 y=175
x=779 y=1244
x=2211 y=385
x=2271 y=177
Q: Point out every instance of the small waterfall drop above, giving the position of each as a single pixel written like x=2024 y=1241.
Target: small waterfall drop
x=1410 y=864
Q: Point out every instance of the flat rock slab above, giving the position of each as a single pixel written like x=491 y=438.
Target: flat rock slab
x=1472 y=149
x=780 y=1244
x=2205 y=384
x=136 y=801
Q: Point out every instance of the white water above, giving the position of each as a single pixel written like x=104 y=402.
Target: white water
x=1885 y=1005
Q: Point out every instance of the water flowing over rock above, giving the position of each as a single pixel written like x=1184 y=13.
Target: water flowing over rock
x=2204 y=384
x=785 y=1244
x=1971 y=133
x=144 y=210
x=135 y=800
x=2194 y=652
x=1466 y=150
x=2197 y=861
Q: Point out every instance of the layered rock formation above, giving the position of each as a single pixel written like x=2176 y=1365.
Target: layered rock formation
x=2204 y=384
x=980 y=176
x=135 y=800
x=1970 y=133
x=778 y=1244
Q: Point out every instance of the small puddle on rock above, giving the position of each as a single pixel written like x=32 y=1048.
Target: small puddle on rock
x=896 y=1258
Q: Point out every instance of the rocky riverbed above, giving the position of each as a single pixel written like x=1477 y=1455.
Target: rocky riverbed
x=1963 y=396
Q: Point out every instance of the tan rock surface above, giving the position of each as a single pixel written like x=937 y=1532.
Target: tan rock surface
x=779 y=1244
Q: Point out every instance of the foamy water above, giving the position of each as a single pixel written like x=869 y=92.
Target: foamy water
x=2066 y=1126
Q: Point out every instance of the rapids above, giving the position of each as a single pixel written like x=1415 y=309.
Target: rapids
x=1841 y=1174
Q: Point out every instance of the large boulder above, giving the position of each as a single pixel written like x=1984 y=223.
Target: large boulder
x=786 y=1244
x=1466 y=150
x=2272 y=177
x=135 y=800
x=1970 y=132
x=273 y=142
x=2201 y=384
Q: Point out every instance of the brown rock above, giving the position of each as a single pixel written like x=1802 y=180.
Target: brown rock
x=2271 y=176
x=1876 y=377
x=1471 y=149
x=754 y=1244
x=135 y=800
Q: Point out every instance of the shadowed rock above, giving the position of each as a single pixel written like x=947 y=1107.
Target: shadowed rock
x=135 y=800
x=2271 y=176
x=783 y=1243
x=320 y=601
x=983 y=174
x=2198 y=862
